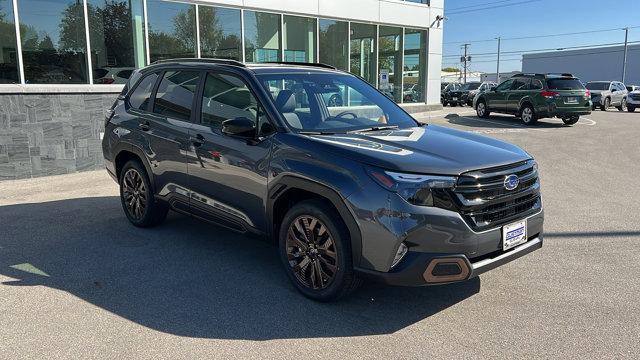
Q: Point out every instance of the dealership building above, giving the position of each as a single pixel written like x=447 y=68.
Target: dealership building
x=63 y=62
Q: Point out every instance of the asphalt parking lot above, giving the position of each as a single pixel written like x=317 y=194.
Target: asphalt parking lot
x=77 y=281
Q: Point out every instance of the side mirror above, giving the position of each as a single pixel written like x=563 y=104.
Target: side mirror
x=239 y=127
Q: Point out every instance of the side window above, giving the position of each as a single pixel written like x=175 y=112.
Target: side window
x=226 y=97
x=612 y=86
x=520 y=84
x=140 y=97
x=175 y=94
x=506 y=85
x=536 y=85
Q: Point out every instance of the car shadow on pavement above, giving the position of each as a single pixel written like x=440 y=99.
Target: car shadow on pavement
x=502 y=122
x=190 y=278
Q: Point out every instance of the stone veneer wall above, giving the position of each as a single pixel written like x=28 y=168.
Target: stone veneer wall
x=59 y=133
x=49 y=134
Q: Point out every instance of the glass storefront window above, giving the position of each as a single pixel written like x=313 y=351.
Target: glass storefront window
x=54 y=47
x=363 y=51
x=415 y=65
x=220 y=33
x=116 y=35
x=172 y=30
x=299 y=39
x=262 y=36
x=8 y=48
x=390 y=62
x=334 y=43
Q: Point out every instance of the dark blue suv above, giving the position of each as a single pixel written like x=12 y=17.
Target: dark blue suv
x=344 y=181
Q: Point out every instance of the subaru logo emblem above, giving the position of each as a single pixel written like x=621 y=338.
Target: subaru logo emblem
x=511 y=182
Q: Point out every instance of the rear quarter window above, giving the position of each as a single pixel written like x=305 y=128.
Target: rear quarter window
x=564 y=84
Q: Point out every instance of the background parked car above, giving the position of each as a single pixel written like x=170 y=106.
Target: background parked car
x=459 y=97
x=535 y=96
x=631 y=88
x=485 y=86
x=605 y=94
x=633 y=100
x=445 y=95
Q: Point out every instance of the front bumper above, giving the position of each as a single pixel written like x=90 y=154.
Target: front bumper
x=417 y=269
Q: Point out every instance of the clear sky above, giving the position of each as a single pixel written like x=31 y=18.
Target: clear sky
x=473 y=20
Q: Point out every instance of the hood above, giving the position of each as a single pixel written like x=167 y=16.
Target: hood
x=427 y=149
x=598 y=92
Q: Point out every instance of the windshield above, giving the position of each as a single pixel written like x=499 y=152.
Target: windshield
x=565 y=84
x=598 y=85
x=470 y=86
x=332 y=104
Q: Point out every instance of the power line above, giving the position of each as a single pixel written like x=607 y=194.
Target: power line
x=481 y=4
x=491 y=7
x=544 y=36
x=547 y=49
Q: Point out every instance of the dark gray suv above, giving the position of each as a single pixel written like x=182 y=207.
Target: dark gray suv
x=348 y=190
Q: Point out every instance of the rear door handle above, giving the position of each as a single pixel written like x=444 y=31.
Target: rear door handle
x=197 y=140
x=145 y=126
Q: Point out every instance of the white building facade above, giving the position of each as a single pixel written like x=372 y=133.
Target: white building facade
x=62 y=62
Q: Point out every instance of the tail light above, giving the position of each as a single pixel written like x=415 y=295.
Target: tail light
x=587 y=93
x=549 y=94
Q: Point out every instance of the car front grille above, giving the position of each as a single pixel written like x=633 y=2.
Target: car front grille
x=484 y=202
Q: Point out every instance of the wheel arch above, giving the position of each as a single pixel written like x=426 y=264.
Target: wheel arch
x=291 y=189
x=126 y=152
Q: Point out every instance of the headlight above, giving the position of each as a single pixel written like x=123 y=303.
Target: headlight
x=422 y=190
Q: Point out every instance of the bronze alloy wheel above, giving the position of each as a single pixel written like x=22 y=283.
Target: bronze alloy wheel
x=311 y=252
x=134 y=193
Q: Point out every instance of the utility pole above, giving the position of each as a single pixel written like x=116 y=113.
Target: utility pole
x=498 y=63
x=464 y=61
x=624 y=62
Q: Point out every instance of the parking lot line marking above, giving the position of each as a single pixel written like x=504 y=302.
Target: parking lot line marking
x=591 y=121
x=506 y=126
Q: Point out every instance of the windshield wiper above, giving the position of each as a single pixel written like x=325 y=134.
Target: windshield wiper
x=373 y=128
x=316 y=133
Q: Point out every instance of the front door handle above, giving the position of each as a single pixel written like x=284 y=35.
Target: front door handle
x=197 y=140
x=145 y=126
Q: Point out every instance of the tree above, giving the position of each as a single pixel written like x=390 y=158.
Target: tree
x=451 y=69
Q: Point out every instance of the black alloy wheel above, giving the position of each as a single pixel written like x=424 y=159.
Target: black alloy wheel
x=134 y=194
x=315 y=249
x=311 y=252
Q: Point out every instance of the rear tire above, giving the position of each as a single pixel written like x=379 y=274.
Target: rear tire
x=607 y=104
x=623 y=105
x=315 y=249
x=137 y=197
x=631 y=108
x=571 y=120
x=481 y=109
x=528 y=115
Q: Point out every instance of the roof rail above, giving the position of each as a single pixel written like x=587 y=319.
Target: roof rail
x=200 y=60
x=529 y=75
x=562 y=74
x=320 y=65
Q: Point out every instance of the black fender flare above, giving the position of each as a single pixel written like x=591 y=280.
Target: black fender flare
x=294 y=182
x=128 y=147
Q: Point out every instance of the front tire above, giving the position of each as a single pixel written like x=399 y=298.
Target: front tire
x=571 y=120
x=315 y=249
x=607 y=104
x=528 y=115
x=623 y=105
x=631 y=108
x=481 y=109
x=136 y=196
